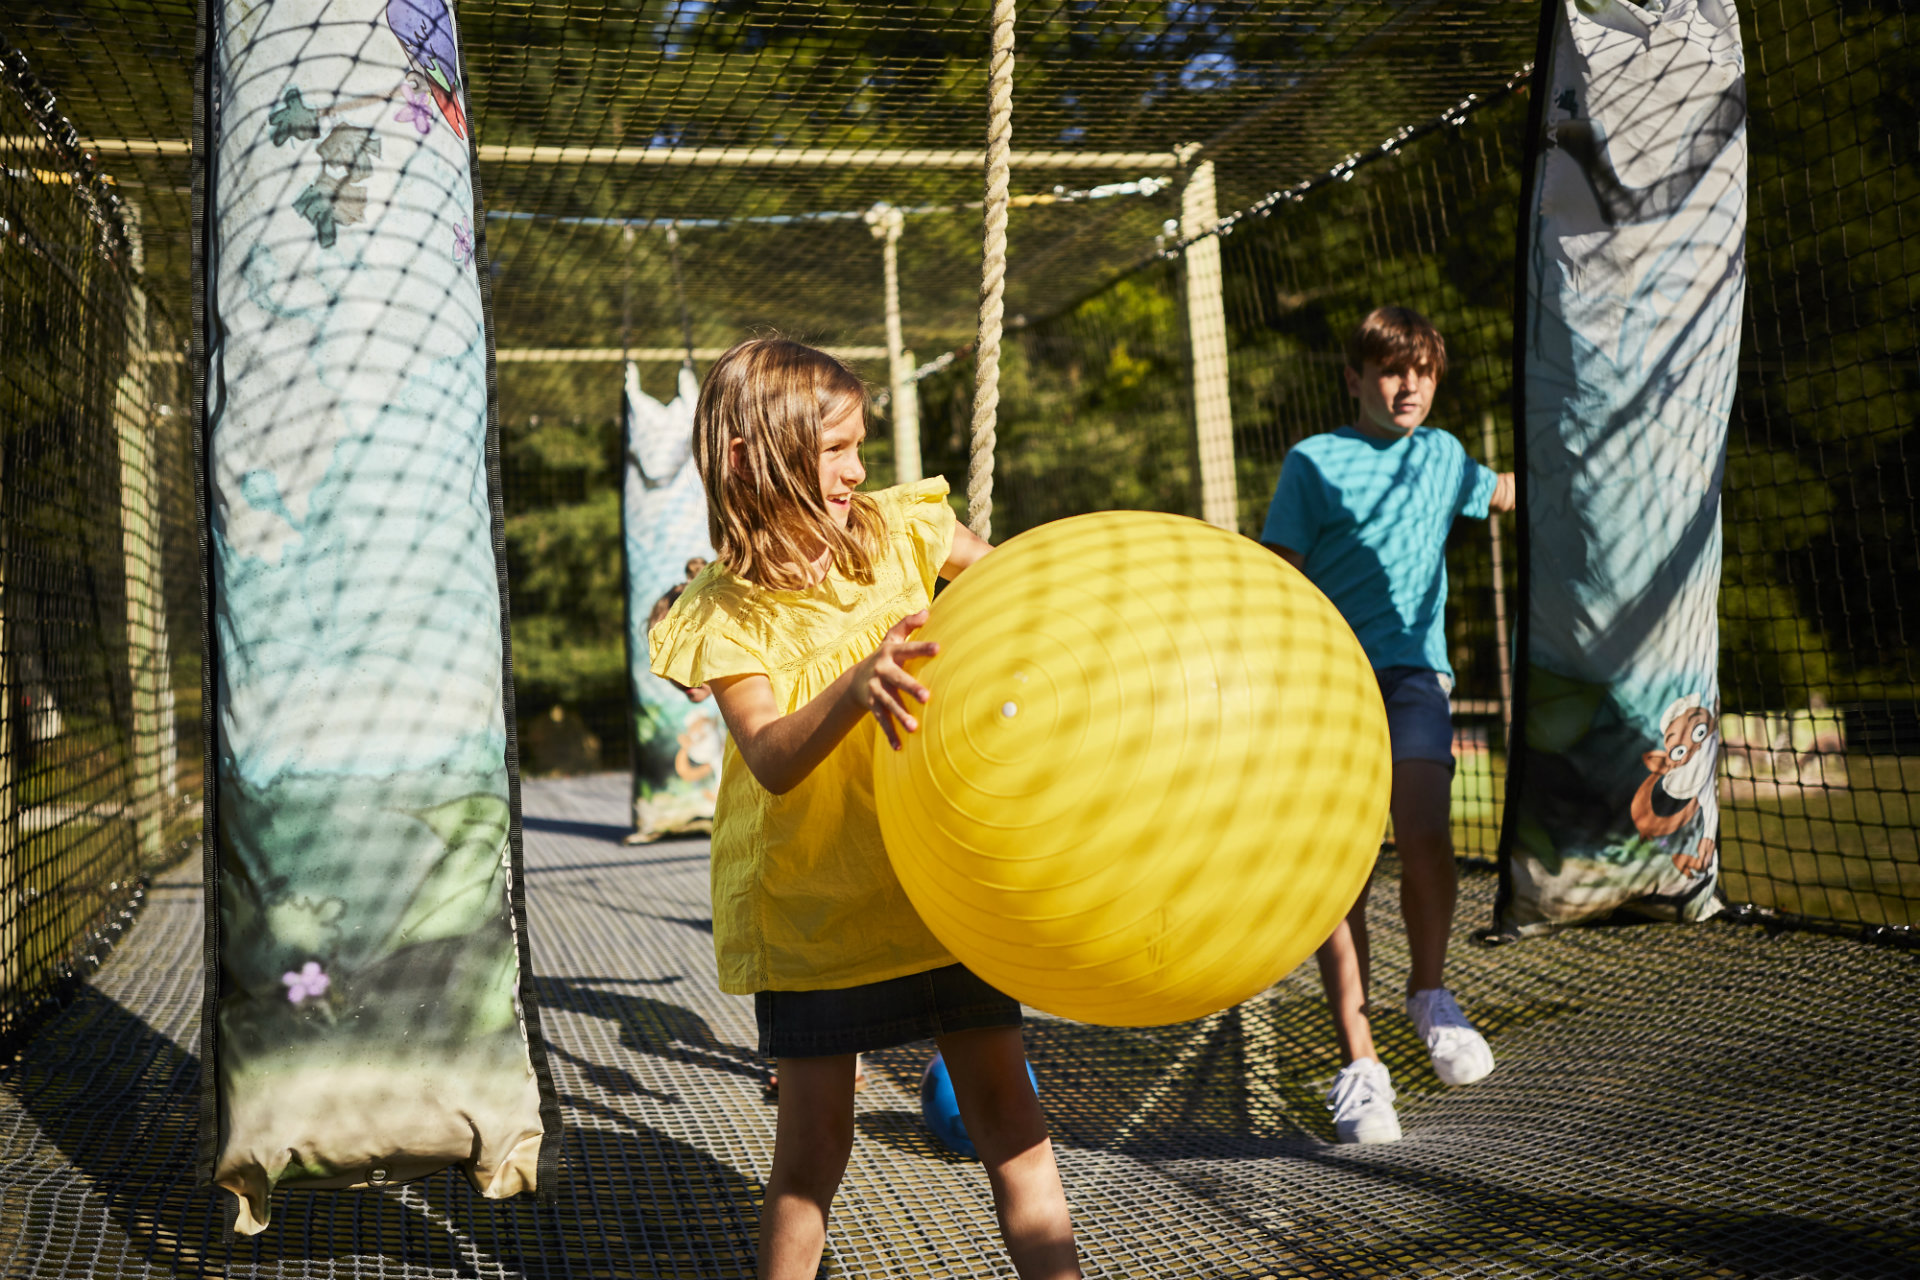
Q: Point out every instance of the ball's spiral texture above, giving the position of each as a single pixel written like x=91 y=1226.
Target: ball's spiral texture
x=1153 y=774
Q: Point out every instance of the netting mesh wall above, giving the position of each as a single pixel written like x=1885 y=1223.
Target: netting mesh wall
x=752 y=139
x=1098 y=405
x=665 y=174
x=1432 y=227
x=560 y=469
x=99 y=616
x=664 y=87
x=1820 y=654
x=763 y=131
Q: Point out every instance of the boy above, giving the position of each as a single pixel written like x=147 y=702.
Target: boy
x=1364 y=511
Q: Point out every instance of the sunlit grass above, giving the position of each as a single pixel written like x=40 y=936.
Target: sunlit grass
x=1479 y=794
x=1832 y=853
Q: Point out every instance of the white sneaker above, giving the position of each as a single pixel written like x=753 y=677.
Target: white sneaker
x=1362 y=1103
x=1460 y=1053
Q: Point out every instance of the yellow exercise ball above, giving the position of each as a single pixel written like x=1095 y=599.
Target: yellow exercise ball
x=1152 y=776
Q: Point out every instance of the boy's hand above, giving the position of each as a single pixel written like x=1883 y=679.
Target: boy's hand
x=1288 y=554
x=698 y=693
x=881 y=684
x=1503 y=493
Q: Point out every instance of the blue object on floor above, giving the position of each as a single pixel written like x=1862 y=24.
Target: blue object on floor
x=941 y=1110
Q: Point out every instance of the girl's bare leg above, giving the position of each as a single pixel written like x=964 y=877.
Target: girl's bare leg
x=1344 y=973
x=812 y=1140
x=1009 y=1130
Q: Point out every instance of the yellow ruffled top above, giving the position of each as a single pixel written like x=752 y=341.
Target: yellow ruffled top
x=804 y=898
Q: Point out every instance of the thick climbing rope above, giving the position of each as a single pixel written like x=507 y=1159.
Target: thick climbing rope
x=993 y=272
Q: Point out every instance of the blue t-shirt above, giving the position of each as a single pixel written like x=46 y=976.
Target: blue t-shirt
x=1371 y=517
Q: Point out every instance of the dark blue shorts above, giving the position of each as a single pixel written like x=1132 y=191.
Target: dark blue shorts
x=879 y=1015
x=1419 y=713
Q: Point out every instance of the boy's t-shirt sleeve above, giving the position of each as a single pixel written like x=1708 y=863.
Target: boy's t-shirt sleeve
x=1476 y=489
x=1298 y=507
x=695 y=642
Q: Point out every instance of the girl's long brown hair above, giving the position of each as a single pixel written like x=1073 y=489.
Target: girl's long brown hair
x=767 y=519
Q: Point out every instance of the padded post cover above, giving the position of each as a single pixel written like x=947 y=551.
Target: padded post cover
x=367 y=1021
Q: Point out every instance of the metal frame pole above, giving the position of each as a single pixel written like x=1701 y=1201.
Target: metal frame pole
x=1207 y=331
x=141 y=566
x=1499 y=593
x=888 y=222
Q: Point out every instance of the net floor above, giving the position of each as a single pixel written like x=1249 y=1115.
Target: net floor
x=1711 y=1101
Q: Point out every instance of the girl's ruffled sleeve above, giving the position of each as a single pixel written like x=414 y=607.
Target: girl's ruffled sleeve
x=693 y=645
x=929 y=522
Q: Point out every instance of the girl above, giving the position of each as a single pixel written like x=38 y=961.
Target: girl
x=801 y=628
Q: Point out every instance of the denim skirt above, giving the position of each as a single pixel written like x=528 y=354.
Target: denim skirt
x=879 y=1015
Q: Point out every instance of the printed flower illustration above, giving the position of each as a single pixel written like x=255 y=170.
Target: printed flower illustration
x=463 y=241
x=310 y=981
x=418 y=112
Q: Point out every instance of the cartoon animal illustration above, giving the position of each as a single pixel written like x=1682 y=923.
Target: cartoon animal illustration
x=678 y=734
x=1699 y=861
x=424 y=29
x=663 y=606
x=1679 y=774
x=700 y=746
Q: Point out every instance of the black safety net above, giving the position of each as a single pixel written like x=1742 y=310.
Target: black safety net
x=1205 y=199
x=1668 y=1102
x=99 y=607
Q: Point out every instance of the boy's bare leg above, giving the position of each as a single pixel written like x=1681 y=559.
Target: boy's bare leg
x=1009 y=1130
x=1422 y=811
x=812 y=1140
x=1346 y=975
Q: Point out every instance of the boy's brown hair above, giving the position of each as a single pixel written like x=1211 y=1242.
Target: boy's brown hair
x=1397 y=338
x=768 y=520
x=664 y=605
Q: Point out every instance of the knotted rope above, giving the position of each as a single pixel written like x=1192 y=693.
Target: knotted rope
x=993 y=272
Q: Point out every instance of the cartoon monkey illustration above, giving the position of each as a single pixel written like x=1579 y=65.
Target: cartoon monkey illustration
x=664 y=606
x=700 y=746
x=1679 y=774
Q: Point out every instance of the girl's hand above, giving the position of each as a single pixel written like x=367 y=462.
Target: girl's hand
x=780 y=750
x=881 y=683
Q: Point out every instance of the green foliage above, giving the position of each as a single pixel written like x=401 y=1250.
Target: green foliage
x=561 y=477
x=1824 y=470
x=552 y=664
x=1094 y=411
x=1097 y=402
x=1821 y=522
x=570 y=562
